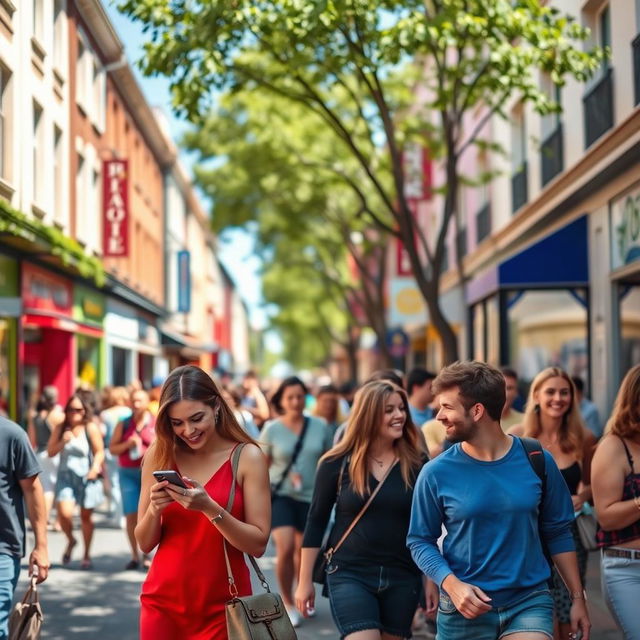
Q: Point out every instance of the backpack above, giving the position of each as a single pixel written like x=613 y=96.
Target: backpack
x=535 y=455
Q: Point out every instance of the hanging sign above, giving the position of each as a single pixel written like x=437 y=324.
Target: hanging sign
x=115 y=208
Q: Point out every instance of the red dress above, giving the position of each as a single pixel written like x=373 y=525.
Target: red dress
x=184 y=594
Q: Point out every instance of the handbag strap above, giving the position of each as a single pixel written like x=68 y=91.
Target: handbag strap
x=31 y=596
x=355 y=521
x=294 y=456
x=233 y=590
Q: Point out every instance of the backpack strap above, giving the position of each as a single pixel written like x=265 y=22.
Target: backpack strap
x=535 y=456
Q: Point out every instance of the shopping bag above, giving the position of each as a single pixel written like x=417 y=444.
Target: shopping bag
x=25 y=621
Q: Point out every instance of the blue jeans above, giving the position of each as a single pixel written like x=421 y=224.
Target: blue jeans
x=532 y=613
x=9 y=572
x=620 y=579
x=372 y=597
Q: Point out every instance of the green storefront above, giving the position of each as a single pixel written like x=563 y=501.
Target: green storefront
x=88 y=311
x=10 y=310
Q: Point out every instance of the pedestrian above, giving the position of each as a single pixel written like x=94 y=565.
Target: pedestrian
x=327 y=407
x=19 y=470
x=419 y=382
x=253 y=399
x=510 y=416
x=293 y=444
x=46 y=415
x=79 y=442
x=373 y=585
x=115 y=403
x=187 y=585
x=131 y=439
x=615 y=480
x=588 y=409
x=233 y=398
x=492 y=571
x=552 y=416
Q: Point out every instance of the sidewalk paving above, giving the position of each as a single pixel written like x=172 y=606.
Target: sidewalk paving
x=103 y=602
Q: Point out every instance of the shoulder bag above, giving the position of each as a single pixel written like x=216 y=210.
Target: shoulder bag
x=255 y=617
x=325 y=555
x=587 y=526
x=25 y=621
x=294 y=456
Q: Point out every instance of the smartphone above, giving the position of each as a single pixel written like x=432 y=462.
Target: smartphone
x=172 y=476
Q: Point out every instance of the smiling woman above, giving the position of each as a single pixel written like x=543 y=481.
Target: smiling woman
x=196 y=433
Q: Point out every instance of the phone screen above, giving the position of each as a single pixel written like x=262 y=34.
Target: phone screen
x=173 y=477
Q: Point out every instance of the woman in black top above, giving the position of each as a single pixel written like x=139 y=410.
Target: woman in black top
x=372 y=581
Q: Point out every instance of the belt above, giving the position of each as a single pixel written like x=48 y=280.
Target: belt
x=616 y=552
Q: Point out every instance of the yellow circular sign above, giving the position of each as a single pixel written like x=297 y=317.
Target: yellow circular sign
x=409 y=301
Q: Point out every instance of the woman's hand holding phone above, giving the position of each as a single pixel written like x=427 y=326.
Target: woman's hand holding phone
x=160 y=499
x=194 y=498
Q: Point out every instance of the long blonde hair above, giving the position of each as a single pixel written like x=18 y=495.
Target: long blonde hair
x=625 y=417
x=571 y=434
x=362 y=430
x=191 y=383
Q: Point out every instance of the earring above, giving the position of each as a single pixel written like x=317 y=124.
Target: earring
x=215 y=416
x=536 y=409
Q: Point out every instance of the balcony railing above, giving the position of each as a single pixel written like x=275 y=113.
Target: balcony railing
x=635 y=45
x=598 y=108
x=519 y=187
x=552 y=155
x=461 y=243
x=483 y=222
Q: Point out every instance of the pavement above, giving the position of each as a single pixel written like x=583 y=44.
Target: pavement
x=103 y=602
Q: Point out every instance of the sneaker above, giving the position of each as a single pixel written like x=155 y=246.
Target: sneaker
x=294 y=616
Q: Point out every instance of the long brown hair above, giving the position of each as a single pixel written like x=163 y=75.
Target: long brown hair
x=362 y=430
x=191 y=383
x=571 y=434
x=625 y=417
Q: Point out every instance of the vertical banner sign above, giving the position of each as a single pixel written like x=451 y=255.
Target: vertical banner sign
x=115 y=176
x=184 y=282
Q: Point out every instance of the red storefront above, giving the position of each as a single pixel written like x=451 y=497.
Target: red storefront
x=48 y=332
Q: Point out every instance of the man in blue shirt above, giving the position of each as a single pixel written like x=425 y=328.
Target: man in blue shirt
x=492 y=571
x=420 y=395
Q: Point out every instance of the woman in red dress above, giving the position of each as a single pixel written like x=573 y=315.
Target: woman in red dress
x=187 y=586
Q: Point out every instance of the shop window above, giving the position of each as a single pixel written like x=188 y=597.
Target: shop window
x=88 y=359
x=548 y=328
x=120 y=367
x=629 y=298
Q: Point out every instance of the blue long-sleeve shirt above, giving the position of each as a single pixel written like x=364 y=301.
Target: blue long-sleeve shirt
x=490 y=513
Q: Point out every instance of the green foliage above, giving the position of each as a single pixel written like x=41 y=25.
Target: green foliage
x=69 y=251
x=354 y=65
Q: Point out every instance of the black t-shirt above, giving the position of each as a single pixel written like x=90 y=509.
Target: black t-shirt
x=17 y=462
x=380 y=536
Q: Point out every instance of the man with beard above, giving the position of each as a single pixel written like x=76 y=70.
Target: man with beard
x=492 y=572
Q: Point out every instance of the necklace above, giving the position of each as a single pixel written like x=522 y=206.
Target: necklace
x=380 y=463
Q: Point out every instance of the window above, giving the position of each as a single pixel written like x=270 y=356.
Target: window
x=59 y=36
x=551 y=121
x=5 y=125
x=81 y=199
x=604 y=31
x=94 y=214
x=81 y=77
x=99 y=95
x=58 y=175
x=38 y=20
x=38 y=154
x=519 y=191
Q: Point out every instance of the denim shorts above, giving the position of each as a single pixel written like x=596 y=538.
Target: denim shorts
x=287 y=512
x=533 y=613
x=130 y=484
x=73 y=488
x=373 y=597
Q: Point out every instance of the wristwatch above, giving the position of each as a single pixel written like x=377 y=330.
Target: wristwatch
x=217 y=518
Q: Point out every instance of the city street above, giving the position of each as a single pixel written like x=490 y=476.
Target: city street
x=103 y=603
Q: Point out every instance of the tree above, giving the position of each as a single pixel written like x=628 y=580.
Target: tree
x=469 y=53
x=274 y=172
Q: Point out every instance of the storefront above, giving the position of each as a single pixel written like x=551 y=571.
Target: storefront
x=132 y=346
x=532 y=310
x=10 y=311
x=89 y=311
x=47 y=333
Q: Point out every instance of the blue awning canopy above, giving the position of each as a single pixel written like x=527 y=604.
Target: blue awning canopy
x=559 y=259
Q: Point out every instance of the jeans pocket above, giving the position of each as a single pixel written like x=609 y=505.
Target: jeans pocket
x=445 y=605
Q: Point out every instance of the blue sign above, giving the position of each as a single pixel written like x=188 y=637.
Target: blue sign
x=398 y=343
x=184 y=281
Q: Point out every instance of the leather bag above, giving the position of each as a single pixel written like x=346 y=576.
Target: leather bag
x=25 y=621
x=587 y=528
x=323 y=559
x=255 y=617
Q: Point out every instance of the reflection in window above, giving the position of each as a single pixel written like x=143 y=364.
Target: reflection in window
x=548 y=328
x=629 y=327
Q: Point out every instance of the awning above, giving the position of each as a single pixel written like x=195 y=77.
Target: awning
x=186 y=346
x=44 y=321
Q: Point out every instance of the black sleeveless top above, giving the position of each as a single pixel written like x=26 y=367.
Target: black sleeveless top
x=43 y=431
x=630 y=490
x=572 y=476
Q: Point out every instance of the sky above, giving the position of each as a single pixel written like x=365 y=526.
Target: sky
x=235 y=247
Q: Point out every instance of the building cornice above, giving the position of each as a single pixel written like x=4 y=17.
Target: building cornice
x=97 y=21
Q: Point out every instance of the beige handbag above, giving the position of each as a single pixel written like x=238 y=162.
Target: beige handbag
x=256 y=617
x=26 y=618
